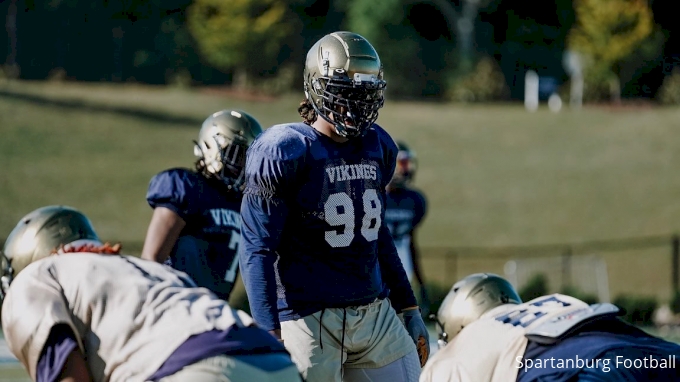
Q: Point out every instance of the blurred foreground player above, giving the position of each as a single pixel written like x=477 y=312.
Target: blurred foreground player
x=196 y=222
x=488 y=334
x=76 y=310
x=405 y=208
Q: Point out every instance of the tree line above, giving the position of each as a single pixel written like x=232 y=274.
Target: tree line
x=437 y=49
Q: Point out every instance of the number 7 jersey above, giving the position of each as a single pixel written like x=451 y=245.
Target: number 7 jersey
x=325 y=224
x=206 y=249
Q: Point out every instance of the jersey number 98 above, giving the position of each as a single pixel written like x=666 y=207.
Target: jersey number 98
x=339 y=211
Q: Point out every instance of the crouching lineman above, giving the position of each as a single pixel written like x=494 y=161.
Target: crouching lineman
x=90 y=314
x=488 y=334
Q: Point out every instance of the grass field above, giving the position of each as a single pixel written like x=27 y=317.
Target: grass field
x=494 y=175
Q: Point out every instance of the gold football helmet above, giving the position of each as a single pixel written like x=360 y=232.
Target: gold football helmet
x=468 y=299
x=343 y=80
x=222 y=143
x=39 y=234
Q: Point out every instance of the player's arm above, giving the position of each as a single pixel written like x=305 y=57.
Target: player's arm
x=169 y=196
x=263 y=216
x=60 y=358
x=392 y=270
x=38 y=326
x=162 y=234
x=401 y=294
x=75 y=369
x=262 y=221
x=420 y=212
x=415 y=259
x=393 y=273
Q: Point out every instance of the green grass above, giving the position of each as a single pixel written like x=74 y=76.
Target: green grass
x=494 y=175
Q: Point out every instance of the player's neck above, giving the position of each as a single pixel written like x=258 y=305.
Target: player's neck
x=327 y=129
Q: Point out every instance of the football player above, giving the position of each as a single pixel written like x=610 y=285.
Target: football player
x=488 y=334
x=405 y=209
x=195 y=226
x=317 y=260
x=75 y=308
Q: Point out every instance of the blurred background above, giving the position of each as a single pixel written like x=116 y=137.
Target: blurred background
x=546 y=132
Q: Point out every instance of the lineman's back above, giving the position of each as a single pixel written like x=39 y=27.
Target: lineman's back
x=127 y=314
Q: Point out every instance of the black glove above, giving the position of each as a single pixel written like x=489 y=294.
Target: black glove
x=418 y=332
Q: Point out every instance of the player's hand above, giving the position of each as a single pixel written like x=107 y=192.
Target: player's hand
x=418 y=332
x=277 y=334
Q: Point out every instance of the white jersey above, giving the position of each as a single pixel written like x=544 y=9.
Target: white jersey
x=403 y=245
x=128 y=315
x=488 y=349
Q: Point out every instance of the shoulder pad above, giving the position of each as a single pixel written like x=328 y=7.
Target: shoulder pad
x=385 y=138
x=561 y=326
x=282 y=142
x=175 y=174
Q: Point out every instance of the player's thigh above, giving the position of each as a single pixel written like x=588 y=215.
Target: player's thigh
x=382 y=336
x=315 y=346
x=223 y=368
x=405 y=369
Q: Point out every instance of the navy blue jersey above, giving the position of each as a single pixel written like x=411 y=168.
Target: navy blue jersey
x=208 y=244
x=603 y=351
x=405 y=209
x=313 y=232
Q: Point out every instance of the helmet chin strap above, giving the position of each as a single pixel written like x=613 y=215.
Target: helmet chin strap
x=7 y=276
x=442 y=341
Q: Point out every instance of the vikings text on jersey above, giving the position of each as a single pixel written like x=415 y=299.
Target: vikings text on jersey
x=313 y=224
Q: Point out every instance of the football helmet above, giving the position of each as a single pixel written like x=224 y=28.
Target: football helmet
x=406 y=166
x=343 y=80
x=468 y=299
x=38 y=235
x=222 y=143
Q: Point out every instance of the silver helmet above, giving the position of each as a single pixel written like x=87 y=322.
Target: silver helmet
x=406 y=166
x=469 y=299
x=343 y=80
x=222 y=143
x=38 y=235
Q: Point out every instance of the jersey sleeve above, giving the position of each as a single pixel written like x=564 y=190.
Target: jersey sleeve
x=170 y=189
x=58 y=347
x=392 y=270
x=34 y=305
x=270 y=174
x=393 y=273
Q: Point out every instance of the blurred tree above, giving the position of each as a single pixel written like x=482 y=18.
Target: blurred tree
x=485 y=83
x=12 y=69
x=608 y=31
x=244 y=36
x=427 y=44
x=416 y=57
x=531 y=35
